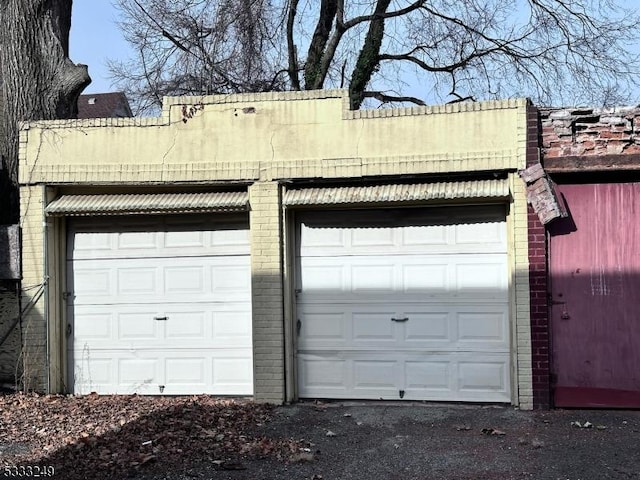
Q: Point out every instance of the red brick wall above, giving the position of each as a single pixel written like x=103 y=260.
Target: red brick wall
x=577 y=132
x=538 y=282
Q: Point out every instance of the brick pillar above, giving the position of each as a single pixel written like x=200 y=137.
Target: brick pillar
x=266 y=292
x=540 y=351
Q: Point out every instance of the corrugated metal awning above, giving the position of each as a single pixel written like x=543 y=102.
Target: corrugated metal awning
x=398 y=193
x=148 y=203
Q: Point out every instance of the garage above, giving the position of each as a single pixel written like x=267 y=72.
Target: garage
x=159 y=304
x=407 y=303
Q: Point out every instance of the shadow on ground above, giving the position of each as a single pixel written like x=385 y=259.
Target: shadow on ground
x=210 y=439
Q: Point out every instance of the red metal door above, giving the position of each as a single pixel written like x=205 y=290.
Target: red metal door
x=595 y=294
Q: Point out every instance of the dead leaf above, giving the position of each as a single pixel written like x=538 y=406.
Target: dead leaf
x=81 y=433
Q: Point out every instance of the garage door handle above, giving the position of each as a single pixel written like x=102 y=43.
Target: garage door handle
x=400 y=319
x=160 y=319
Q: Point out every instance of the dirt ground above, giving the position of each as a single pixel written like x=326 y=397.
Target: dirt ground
x=205 y=438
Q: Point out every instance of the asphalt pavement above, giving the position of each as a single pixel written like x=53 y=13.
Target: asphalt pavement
x=354 y=441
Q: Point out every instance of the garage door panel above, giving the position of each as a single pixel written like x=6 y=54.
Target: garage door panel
x=336 y=237
x=433 y=236
x=185 y=280
x=136 y=281
x=323 y=377
x=376 y=376
x=428 y=328
x=232 y=328
x=485 y=377
x=95 y=282
x=93 y=376
x=174 y=326
x=187 y=325
x=464 y=277
x=481 y=275
x=324 y=327
x=489 y=233
x=132 y=371
x=180 y=240
x=373 y=276
x=471 y=377
x=89 y=245
x=107 y=372
x=423 y=378
x=425 y=277
x=92 y=326
x=233 y=374
x=395 y=304
x=420 y=376
x=233 y=279
x=487 y=327
x=123 y=238
x=373 y=327
x=186 y=371
x=323 y=276
x=156 y=372
x=437 y=327
x=139 y=327
x=160 y=306
x=95 y=328
x=134 y=240
x=370 y=237
x=205 y=279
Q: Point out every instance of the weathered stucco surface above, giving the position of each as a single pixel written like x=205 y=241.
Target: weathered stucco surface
x=265 y=141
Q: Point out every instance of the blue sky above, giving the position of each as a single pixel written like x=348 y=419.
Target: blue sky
x=94 y=39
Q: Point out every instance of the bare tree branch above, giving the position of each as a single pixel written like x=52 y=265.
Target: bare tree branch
x=550 y=50
x=385 y=98
x=367 y=18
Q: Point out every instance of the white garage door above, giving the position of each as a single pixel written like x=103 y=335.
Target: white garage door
x=406 y=304
x=159 y=305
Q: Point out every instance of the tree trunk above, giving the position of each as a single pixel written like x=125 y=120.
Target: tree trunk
x=313 y=74
x=39 y=82
x=369 y=59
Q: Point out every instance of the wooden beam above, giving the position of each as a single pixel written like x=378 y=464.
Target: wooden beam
x=592 y=163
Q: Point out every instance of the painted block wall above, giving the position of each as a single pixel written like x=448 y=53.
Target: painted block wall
x=265 y=141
